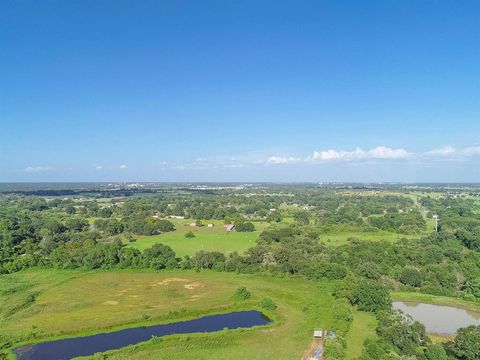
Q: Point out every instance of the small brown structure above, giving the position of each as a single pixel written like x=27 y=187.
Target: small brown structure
x=229 y=227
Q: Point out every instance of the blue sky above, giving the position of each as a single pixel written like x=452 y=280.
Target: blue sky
x=239 y=90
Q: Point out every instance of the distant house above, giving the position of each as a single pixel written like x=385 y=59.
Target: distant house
x=177 y=217
x=210 y=225
x=229 y=227
x=192 y=224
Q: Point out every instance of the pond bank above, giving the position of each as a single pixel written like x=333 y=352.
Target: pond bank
x=88 y=345
x=435 y=300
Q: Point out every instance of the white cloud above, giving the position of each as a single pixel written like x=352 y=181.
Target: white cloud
x=380 y=152
x=234 y=166
x=178 y=167
x=99 y=167
x=123 y=166
x=472 y=150
x=283 y=160
x=442 y=152
x=38 y=168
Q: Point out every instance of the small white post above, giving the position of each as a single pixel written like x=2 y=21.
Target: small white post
x=436 y=222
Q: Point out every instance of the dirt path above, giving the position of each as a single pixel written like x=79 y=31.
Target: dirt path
x=314 y=345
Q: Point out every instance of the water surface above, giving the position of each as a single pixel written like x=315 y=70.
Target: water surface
x=88 y=345
x=438 y=319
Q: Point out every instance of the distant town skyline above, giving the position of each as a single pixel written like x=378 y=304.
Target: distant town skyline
x=281 y=91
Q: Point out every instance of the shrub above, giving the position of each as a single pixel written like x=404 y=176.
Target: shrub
x=189 y=234
x=335 y=349
x=242 y=293
x=268 y=304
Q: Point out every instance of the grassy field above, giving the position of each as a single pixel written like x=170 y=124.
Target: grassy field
x=340 y=238
x=206 y=238
x=45 y=304
x=362 y=328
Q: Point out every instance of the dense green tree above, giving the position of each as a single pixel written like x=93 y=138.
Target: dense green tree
x=245 y=227
x=208 y=260
x=301 y=217
x=274 y=216
x=435 y=352
x=466 y=345
x=370 y=296
x=159 y=256
x=406 y=335
x=411 y=276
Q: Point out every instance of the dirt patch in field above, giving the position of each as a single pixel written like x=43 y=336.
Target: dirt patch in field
x=110 y=302
x=193 y=286
x=168 y=281
x=122 y=292
x=314 y=345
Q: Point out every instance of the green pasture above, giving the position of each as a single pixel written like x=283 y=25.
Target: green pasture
x=340 y=238
x=206 y=238
x=72 y=303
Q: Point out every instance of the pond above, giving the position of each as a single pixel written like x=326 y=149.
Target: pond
x=88 y=345
x=439 y=320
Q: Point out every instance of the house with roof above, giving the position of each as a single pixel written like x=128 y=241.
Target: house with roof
x=229 y=227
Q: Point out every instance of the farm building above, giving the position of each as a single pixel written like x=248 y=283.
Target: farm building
x=229 y=227
x=318 y=334
x=210 y=225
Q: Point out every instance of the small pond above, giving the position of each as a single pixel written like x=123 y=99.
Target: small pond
x=88 y=345
x=440 y=320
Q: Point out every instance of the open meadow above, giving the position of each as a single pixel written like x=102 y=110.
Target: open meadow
x=206 y=238
x=42 y=304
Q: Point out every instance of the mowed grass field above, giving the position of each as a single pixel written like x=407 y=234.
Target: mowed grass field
x=362 y=328
x=70 y=303
x=340 y=238
x=206 y=238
